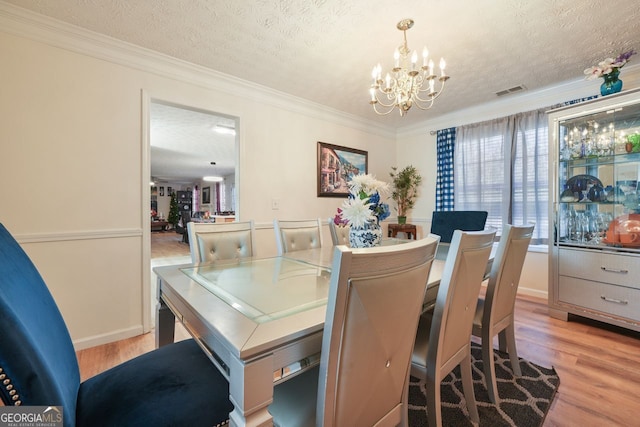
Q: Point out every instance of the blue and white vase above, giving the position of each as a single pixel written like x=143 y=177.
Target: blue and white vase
x=365 y=237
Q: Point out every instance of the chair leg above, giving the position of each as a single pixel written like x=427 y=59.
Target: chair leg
x=502 y=341
x=510 y=337
x=467 y=387
x=404 y=422
x=434 y=410
x=489 y=368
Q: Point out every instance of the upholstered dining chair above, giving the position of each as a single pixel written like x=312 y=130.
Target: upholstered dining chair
x=175 y=385
x=297 y=235
x=443 y=223
x=375 y=300
x=221 y=241
x=494 y=313
x=339 y=234
x=443 y=339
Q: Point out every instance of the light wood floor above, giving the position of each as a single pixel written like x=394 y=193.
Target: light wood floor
x=598 y=365
x=167 y=244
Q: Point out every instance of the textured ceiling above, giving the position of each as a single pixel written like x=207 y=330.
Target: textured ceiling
x=324 y=50
x=184 y=143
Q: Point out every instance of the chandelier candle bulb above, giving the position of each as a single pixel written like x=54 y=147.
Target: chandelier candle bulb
x=425 y=55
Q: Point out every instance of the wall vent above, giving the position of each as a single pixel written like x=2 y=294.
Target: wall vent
x=514 y=89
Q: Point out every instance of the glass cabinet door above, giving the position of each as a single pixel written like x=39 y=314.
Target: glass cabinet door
x=597 y=194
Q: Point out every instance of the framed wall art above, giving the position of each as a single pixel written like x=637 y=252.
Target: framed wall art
x=206 y=195
x=335 y=165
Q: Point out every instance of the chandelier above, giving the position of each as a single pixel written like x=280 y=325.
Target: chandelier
x=407 y=84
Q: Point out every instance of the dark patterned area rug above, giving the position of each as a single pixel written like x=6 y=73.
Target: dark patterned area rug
x=524 y=401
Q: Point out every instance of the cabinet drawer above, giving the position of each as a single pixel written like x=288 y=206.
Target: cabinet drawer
x=616 y=300
x=601 y=266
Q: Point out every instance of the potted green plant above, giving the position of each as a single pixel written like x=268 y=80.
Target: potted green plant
x=404 y=185
x=633 y=143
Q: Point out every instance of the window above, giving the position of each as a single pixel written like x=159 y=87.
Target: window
x=501 y=166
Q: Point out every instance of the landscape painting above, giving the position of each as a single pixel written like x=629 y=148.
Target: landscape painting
x=336 y=164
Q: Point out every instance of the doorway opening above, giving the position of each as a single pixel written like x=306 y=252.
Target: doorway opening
x=187 y=144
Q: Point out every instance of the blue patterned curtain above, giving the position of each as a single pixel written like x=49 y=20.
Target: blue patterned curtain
x=445 y=143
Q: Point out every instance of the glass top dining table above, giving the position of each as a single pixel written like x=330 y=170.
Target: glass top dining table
x=260 y=320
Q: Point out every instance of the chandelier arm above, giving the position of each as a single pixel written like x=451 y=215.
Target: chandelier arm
x=424 y=107
x=383 y=113
x=432 y=96
x=392 y=104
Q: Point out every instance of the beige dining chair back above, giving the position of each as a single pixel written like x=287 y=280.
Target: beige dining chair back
x=375 y=300
x=297 y=235
x=494 y=313
x=221 y=241
x=443 y=339
x=339 y=234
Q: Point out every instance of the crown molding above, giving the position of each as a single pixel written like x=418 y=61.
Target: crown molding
x=24 y=23
x=517 y=103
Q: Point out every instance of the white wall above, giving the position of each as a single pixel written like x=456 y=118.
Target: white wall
x=74 y=163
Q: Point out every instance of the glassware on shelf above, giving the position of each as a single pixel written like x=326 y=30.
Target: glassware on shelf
x=584 y=222
x=602 y=221
x=571 y=226
x=591 y=140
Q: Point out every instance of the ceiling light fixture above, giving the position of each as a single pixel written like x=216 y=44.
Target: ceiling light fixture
x=213 y=178
x=407 y=84
x=225 y=130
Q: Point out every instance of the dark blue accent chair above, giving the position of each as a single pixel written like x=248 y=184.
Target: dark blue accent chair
x=176 y=385
x=444 y=223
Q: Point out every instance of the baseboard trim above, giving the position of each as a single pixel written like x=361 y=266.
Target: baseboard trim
x=533 y=292
x=113 y=336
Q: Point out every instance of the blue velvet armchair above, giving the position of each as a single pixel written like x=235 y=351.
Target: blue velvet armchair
x=175 y=385
x=444 y=223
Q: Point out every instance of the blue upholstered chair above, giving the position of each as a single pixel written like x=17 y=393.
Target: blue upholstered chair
x=444 y=223
x=175 y=385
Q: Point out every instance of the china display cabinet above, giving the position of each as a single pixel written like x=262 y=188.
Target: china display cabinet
x=594 y=244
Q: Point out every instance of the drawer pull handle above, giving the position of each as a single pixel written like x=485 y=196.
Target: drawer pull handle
x=614 y=270
x=618 y=301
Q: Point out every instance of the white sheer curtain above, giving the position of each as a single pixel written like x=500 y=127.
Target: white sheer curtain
x=501 y=166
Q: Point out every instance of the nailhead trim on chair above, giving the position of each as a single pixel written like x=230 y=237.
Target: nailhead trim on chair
x=7 y=383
